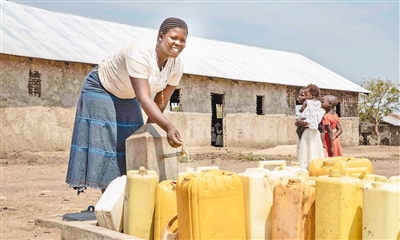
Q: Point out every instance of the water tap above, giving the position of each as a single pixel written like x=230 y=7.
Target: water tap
x=176 y=154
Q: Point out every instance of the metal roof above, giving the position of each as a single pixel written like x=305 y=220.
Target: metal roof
x=391 y=120
x=33 y=32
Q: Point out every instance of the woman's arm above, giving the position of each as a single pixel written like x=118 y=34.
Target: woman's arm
x=301 y=122
x=154 y=109
x=162 y=98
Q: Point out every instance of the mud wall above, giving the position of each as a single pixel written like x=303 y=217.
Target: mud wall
x=389 y=135
x=39 y=96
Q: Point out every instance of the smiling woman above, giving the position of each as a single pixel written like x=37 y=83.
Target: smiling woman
x=109 y=107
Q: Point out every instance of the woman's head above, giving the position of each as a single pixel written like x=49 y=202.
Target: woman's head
x=301 y=96
x=171 y=39
x=172 y=22
x=311 y=91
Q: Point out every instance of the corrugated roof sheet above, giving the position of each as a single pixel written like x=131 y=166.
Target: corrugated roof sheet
x=38 y=33
x=393 y=120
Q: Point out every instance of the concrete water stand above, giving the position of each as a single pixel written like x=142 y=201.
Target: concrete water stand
x=80 y=230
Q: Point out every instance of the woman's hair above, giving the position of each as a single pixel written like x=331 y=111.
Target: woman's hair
x=313 y=89
x=172 y=22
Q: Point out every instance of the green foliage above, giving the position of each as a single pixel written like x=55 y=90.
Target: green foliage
x=383 y=99
x=176 y=109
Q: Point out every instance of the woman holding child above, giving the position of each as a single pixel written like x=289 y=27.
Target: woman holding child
x=310 y=145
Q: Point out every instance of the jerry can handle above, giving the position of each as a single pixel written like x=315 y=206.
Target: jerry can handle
x=280 y=163
x=313 y=179
x=393 y=179
x=207 y=168
x=362 y=170
x=169 y=234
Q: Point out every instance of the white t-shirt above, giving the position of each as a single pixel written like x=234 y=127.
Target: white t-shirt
x=138 y=60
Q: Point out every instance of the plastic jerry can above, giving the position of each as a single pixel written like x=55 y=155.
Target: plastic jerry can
x=322 y=166
x=109 y=208
x=139 y=202
x=338 y=206
x=381 y=210
x=199 y=169
x=294 y=210
x=257 y=191
x=282 y=173
x=362 y=173
x=165 y=207
x=210 y=206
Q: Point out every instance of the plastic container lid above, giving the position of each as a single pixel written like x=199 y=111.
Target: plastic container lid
x=142 y=170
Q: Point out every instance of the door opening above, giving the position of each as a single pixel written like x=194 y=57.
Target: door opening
x=217 y=103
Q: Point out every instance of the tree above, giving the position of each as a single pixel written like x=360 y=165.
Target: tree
x=383 y=100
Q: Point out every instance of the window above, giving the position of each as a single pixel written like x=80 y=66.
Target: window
x=260 y=101
x=174 y=101
x=34 y=84
x=339 y=109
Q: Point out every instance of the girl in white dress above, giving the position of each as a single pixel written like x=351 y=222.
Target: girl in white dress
x=310 y=145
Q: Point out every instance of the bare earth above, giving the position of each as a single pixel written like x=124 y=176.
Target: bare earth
x=33 y=183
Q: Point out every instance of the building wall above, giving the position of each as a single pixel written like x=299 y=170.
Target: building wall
x=42 y=120
x=389 y=134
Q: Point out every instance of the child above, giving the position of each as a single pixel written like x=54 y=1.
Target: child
x=332 y=127
x=300 y=129
x=310 y=146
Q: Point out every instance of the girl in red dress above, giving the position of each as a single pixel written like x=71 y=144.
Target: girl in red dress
x=332 y=127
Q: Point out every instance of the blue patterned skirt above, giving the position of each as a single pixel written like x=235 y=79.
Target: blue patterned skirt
x=102 y=124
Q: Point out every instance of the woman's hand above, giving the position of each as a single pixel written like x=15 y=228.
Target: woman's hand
x=301 y=122
x=174 y=137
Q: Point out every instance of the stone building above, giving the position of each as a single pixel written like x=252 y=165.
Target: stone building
x=250 y=91
x=388 y=130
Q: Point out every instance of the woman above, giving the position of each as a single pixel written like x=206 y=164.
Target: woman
x=109 y=107
x=310 y=145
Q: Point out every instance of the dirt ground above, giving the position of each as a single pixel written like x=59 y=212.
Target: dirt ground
x=33 y=183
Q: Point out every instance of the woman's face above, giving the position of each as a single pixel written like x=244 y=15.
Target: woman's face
x=301 y=96
x=173 y=42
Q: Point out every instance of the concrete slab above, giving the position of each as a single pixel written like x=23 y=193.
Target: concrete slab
x=81 y=230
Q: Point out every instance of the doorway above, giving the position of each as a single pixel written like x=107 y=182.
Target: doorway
x=217 y=109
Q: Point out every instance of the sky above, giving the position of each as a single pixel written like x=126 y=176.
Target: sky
x=355 y=39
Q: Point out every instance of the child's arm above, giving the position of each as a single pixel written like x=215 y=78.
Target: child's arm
x=303 y=106
x=339 y=130
x=330 y=138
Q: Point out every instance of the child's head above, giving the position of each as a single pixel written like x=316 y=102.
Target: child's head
x=311 y=92
x=329 y=102
x=301 y=96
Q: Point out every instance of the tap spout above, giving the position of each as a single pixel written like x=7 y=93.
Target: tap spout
x=176 y=154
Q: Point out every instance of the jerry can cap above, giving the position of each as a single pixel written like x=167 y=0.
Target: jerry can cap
x=142 y=170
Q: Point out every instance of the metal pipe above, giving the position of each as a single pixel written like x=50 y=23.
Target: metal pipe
x=176 y=154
